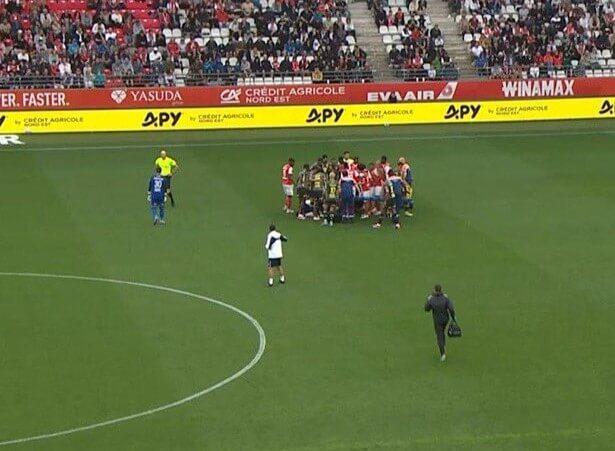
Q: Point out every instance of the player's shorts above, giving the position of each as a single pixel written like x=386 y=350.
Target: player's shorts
x=366 y=195
x=377 y=192
x=167 y=181
x=317 y=193
x=288 y=189
x=398 y=203
x=302 y=191
x=274 y=262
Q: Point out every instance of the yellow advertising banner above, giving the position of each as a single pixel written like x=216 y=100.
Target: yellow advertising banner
x=304 y=116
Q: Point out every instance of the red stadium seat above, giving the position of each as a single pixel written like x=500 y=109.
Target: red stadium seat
x=134 y=6
x=141 y=14
x=151 y=24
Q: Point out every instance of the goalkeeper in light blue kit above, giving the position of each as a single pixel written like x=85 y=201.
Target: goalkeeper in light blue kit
x=156 y=196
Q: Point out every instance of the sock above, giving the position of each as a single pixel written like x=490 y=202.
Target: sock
x=270 y=281
x=282 y=279
x=171 y=197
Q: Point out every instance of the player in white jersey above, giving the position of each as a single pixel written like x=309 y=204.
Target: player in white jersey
x=273 y=244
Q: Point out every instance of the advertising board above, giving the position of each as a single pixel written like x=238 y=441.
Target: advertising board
x=303 y=115
x=314 y=94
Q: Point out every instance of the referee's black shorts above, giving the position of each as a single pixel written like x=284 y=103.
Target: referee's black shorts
x=167 y=181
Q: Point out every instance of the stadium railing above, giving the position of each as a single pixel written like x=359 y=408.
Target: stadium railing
x=427 y=74
x=188 y=79
x=294 y=78
x=568 y=71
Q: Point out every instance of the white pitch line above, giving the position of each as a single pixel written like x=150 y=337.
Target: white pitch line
x=442 y=136
x=261 y=349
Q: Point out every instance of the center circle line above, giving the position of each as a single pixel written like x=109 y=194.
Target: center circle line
x=262 y=340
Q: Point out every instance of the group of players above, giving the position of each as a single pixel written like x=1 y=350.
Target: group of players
x=335 y=191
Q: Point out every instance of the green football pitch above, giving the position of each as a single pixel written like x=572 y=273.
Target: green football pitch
x=517 y=221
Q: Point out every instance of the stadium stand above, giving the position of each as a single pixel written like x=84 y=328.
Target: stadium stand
x=415 y=45
x=529 y=39
x=92 y=43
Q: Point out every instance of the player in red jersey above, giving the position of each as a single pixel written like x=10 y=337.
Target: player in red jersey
x=377 y=184
x=288 y=185
x=385 y=166
x=354 y=166
x=346 y=158
x=363 y=178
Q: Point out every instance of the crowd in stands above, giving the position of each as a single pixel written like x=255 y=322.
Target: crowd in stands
x=415 y=45
x=158 y=42
x=514 y=38
x=92 y=43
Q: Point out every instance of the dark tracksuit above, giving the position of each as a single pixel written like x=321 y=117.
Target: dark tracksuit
x=440 y=306
x=347 y=195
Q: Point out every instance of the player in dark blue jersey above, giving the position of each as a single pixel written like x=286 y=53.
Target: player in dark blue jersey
x=348 y=188
x=396 y=192
x=156 y=196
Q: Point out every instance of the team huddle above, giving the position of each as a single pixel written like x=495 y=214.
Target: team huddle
x=337 y=191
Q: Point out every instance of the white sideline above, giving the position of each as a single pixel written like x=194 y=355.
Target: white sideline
x=442 y=136
x=261 y=349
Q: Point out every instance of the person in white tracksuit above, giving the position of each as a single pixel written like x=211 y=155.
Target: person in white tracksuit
x=273 y=244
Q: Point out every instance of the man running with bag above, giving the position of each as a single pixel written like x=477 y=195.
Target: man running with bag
x=442 y=310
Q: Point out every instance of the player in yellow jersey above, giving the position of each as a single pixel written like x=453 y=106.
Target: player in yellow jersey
x=168 y=167
x=317 y=192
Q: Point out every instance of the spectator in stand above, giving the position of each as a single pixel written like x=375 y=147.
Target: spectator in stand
x=64 y=67
x=42 y=37
x=539 y=38
x=422 y=54
x=317 y=75
x=155 y=59
x=476 y=49
x=173 y=49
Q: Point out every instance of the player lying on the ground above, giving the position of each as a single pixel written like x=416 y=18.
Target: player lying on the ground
x=335 y=191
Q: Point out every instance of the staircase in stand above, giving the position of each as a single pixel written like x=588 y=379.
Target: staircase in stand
x=369 y=39
x=453 y=41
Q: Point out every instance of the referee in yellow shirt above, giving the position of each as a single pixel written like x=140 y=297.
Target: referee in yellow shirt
x=168 y=166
